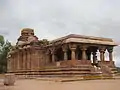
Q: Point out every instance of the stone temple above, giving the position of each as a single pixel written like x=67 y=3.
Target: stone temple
x=71 y=55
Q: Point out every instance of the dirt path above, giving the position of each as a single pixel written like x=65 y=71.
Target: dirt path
x=77 y=85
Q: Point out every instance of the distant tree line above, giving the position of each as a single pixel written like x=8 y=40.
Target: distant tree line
x=4 y=49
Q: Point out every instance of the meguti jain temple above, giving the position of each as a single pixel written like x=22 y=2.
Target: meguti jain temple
x=71 y=55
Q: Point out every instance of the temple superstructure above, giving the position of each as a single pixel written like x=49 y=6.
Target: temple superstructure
x=69 y=55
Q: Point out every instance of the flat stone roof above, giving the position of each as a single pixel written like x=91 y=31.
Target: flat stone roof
x=84 y=39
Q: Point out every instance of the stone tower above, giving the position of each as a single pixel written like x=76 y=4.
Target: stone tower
x=27 y=36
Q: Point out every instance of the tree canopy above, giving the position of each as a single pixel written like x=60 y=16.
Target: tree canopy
x=4 y=49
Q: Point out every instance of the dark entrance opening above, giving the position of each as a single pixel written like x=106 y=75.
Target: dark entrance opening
x=59 y=54
x=69 y=54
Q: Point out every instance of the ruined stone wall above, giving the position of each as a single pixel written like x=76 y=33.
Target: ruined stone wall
x=26 y=59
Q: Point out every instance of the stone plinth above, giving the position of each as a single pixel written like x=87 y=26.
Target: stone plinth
x=107 y=63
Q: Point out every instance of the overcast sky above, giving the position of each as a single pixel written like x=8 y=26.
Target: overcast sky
x=55 y=18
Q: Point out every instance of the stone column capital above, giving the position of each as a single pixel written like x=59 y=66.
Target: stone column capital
x=72 y=46
x=52 y=50
x=84 y=48
x=102 y=49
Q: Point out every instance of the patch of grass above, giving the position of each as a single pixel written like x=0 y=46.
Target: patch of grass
x=92 y=77
x=96 y=77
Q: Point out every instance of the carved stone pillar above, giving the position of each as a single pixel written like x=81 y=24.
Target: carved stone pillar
x=24 y=59
x=21 y=59
x=110 y=50
x=38 y=57
x=73 y=53
x=84 y=55
x=9 y=63
x=18 y=60
x=73 y=48
x=13 y=62
x=32 y=58
x=53 y=54
x=53 y=57
x=94 y=57
x=35 y=60
x=47 y=56
x=64 y=48
x=102 y=51
x=28 y=59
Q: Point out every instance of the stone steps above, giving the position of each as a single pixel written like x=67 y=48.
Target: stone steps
x=58 y=74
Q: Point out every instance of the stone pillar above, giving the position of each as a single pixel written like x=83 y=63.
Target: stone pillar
x=65 y=55
x=73 y=53
x=8 y=64
x=16 y=64
x=47 y=55
x=53 y=54
x=35 y=58
x=39 y=58
x=28 y=59
x=64 y=48
x=94 y=57
x=13 y=62
x=24 y=59
x=53 y=57
x=18 y=60
x=32 y=58
x=21 y=59
x=84 y=55
x=102 y=51
x=110 y=50
x=73 y=48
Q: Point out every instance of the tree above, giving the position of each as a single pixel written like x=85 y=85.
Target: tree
x=4 y=49
x=44 y=42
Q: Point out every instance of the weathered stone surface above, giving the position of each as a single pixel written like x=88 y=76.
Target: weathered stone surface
x=9 y=79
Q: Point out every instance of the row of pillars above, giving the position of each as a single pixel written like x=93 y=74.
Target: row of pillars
x=24 y=59
x=84 y=55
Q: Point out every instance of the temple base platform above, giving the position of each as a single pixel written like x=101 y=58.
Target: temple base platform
x=81 y=72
